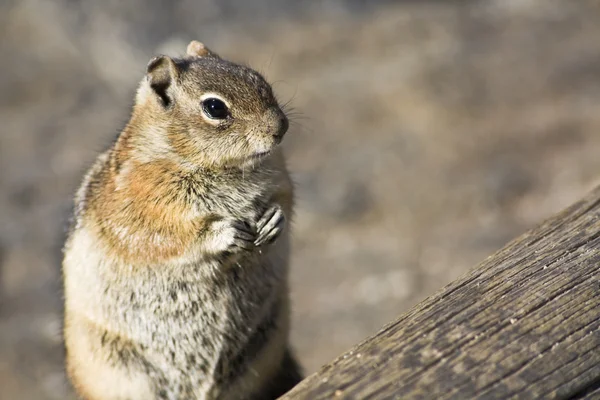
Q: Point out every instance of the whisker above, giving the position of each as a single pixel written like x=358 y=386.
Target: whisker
x=301 y=127
x=296 y=115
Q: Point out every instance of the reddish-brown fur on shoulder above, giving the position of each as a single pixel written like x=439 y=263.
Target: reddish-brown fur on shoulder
x=146 y=219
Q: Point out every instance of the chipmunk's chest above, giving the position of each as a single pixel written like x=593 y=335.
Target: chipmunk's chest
x=242 y=195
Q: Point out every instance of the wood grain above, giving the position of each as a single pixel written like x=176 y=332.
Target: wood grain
x=524 y=324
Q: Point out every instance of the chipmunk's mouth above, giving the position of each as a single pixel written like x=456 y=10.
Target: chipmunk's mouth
x=255 y=158
x=262 y=154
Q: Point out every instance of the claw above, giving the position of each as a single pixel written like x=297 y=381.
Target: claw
x=270 y=226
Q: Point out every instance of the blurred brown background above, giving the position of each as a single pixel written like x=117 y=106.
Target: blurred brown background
x=430 y=134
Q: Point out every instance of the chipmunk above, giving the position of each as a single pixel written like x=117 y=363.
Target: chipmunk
x=175 y=269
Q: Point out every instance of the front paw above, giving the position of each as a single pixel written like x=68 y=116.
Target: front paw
x=270 y=225
x=232 y=236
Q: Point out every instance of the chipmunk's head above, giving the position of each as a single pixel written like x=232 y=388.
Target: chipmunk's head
x=217 y=113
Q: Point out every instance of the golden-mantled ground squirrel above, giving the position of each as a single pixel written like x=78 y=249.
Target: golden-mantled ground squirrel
x=176 y=267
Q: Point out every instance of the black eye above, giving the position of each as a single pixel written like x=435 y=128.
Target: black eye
x=215 y=108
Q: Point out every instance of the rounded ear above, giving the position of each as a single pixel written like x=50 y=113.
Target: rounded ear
x=162 y=73
x=198 y=49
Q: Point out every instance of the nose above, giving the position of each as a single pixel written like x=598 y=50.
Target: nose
x=277 y=122
x=283 y=125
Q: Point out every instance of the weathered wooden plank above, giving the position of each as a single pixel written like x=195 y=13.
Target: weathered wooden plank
x=524 y=324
